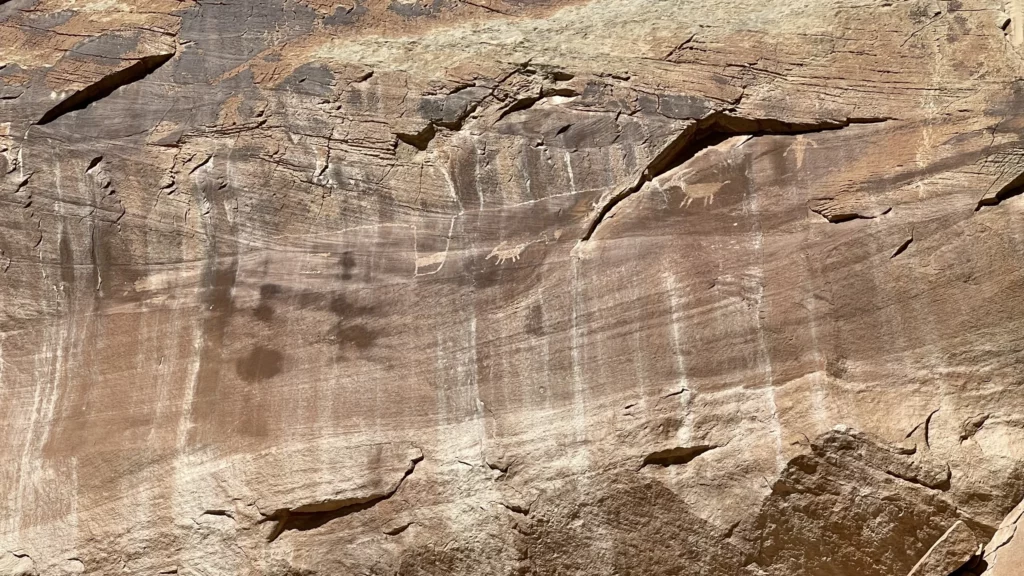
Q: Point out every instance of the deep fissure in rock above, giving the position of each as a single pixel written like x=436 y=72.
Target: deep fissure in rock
x=710 y=131
x=903 y=247
x=105 y=87
x=310 y=516
x=943 y=487
x=676 y=456
x=1014 y=188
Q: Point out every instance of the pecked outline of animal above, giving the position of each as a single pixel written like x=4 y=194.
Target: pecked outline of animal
x=506 y=251
x=703 y=190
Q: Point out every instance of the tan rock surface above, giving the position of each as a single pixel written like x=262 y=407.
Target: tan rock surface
x=957 y=547
x=509 y=287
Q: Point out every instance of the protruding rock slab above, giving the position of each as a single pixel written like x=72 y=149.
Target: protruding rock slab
x=954 y=549
x=1004 y=554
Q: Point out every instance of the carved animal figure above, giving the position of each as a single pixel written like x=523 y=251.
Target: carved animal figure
x=705 y=190
x=506 y=251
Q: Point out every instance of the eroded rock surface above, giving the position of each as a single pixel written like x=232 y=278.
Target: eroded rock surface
x=511 y=287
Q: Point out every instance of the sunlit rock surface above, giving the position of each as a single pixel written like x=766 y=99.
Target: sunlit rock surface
x=535 y=287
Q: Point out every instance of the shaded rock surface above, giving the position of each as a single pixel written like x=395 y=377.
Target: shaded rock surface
x=511 y=287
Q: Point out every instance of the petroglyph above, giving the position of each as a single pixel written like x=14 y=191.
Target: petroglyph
x=506 y=251
x=799 y=149
x=705 y=191
x=327 y=242
x=704 y=175
x=438 y=258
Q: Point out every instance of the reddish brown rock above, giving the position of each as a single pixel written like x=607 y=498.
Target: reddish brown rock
x=509 y=287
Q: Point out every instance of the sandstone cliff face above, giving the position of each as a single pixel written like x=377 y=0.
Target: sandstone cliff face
x=511 y=287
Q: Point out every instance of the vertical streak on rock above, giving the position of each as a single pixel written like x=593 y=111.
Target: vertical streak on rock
x=474 y=386
x=579 y=416
x=29 y=463
x=89 y=317
x=521 y=162
x=546 y=342
x=188 y=396
x=1016 y=22
x=72 y=517
x=460 y=410
x=204 y=355
x=817 y=391
x=676 y=309
x=439 y=388
x=639 y=352
x=50 y=365
x=568 y=169
x=930 y=102
x=765 y=365
x=183 y=482
x=67 y=274
x=219 y=277
x=476 y=173
x=764 y=360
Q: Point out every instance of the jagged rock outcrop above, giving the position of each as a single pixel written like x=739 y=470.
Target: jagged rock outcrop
x=1004 y=553
x=951 y=552
x=511 y=287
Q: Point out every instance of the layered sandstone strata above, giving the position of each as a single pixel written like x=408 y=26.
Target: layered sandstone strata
x=511 y=287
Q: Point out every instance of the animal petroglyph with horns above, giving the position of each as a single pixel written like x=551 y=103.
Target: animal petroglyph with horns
x=703 y=175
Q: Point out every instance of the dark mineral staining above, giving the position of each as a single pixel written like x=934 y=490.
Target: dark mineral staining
x=264 y=312
x=268 y=291
x=535 y=321
x=260 y=364
x=416 y=9
x=310 y=80
x=480 y=273
x=346 y=332
x=356 y=335
x=345 y=310
x=348 y=264
x=218 y=293
x=684 y=107
x=836 y=367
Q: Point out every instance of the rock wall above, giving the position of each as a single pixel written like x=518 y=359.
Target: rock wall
x=605 y=287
